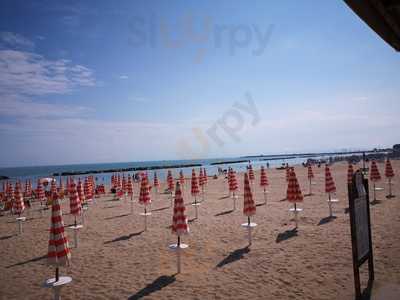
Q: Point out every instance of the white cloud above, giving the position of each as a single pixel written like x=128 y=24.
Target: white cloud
x=15 y=40
x=123 y=77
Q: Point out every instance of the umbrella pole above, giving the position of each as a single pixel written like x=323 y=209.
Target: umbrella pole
x=295 y=214
x=234 y=200
x=390 y=188
x=145 y=219
x=374 y=193
x=310 y=188
x=249 y=229
x=330 y=205
x=202 y=193
x=265 y=196
x=195 y=206
x=178 y=254
x=57 y=274
x=132 y=204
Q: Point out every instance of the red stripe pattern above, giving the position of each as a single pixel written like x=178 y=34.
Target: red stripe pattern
x=388 y=169
x=18 y=203
x=329 y=183
x=263 y=178
x=249 y=207
x=156 y=183
x=179 y=219
x=310 y=174
x=58 y=251
x=233 y=184
x=374 y=175
x=74 y=200
x=195 y=186
x=170 y=181
x=293 y=193
x=251 y=173
x=144 y=195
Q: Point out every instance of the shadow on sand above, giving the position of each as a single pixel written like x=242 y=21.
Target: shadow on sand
x=224 y=197
x=160 y=209
x=115 y=217
x=261 y=204
x=124 y=237
x=27 y=261
x=375 y=202
x=283 y=236
x=326 y=220
x=233 y=256
x=6 y=237
x=158 y=284
x=224 y=213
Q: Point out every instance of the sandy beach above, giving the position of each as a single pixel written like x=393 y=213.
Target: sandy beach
x=117 y=260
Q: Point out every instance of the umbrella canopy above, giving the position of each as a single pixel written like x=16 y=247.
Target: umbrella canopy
x=28 y=189
x=81 y=192
x=144 y=196
x=181 y=178
x=61 y=190
x=205 y=175
x=58 y=252
x=18 y=203
x=53 y=189
x=179 y=219
x=156 y=183
x=194 y=186
x=40 y=195
x=329 y=183
x=293 y=193
x=74 y=201
x=233 y=184
x=251 y=173
x=201 y=177
x=129 y=188
x=249 y=206
x=263 y=177
x=374 y=175
x=87 y=189
x=310 y=174
x=124 y=186
x=350 y=172
x=170 y=181
x=388 y=169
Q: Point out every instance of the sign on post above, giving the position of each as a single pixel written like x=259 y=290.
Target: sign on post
x=360 y=224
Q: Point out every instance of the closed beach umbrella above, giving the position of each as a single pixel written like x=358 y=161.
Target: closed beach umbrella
x=293 y=193
x=144 y=198
x=329 y=188
x=179 y=224
x=389 y=175
x=18 y=203
x=170 y=181
x=181 y=179
x=195 y=191
x=205 y=176
x=201 y=182
x=249 y=206
x=58 y=254
x=310 y=176
x=156 y=183
x=75 y=205
x=233 y=184
x=80 y=190
x=53 y=190
x=129 y=187
x=87 y=190
x=61 y=190
x=374 y=176
x=40 y=194
x=251 y=173
x=264 y=182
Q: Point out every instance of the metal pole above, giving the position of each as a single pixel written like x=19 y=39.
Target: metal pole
x=330 y=205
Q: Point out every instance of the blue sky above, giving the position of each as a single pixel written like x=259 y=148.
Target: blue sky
x=103 y=81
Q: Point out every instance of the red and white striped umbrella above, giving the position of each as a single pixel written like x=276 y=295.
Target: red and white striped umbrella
x=75 y=205
x=233 y=184
x=205 y=176
x=53 y=189
x=263 y=178
x=156 y=183
x=350 y=172
x=374 y=174
x=87 y=190
x=293 y=193
x=170 y=181
x=40 y=194
x=201 y=178
x=28 y=189
x=144 y=195
x=388 y=169
x=124 y=186
x=80 y=190
x=58 y=252
x=194 y=186
x=251 y=173
x=129 y=187
x=329 y=183
x=179 y=219
x=249 y=206
x=310 y=174
x=18 y=203
x=181 y=178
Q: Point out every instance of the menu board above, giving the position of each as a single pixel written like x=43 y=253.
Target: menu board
x=361 y=219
